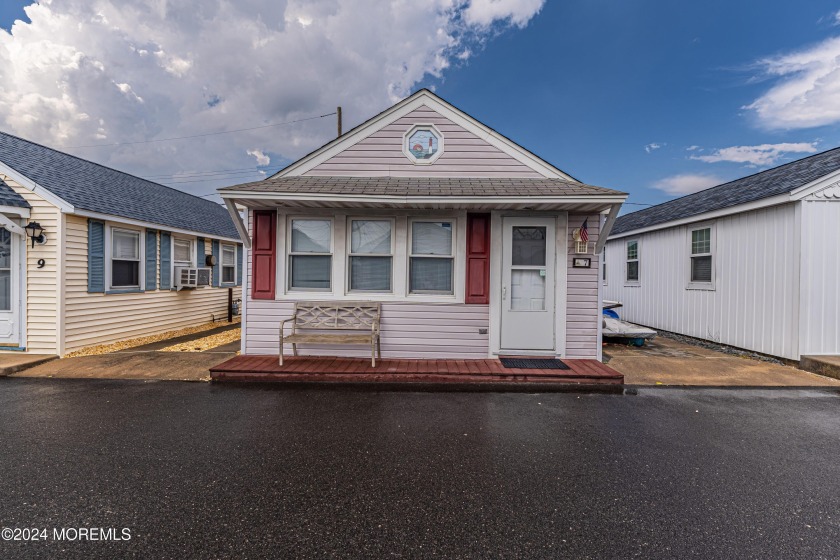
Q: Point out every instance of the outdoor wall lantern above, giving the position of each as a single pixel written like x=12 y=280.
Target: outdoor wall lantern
x=35 y=233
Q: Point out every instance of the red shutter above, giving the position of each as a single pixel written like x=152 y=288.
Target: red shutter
x=264 y=254
x=478 y=258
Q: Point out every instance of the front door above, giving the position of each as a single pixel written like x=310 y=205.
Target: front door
x=528 y=284
x=9 y=327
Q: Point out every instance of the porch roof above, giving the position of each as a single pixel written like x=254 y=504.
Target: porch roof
x=422 y=192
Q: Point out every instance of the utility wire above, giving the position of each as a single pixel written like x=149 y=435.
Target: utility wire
x=200 y=135
x=214 y=172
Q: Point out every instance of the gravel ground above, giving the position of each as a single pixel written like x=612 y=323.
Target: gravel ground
x=122 y=345
x=206 y=343
x=719 y=347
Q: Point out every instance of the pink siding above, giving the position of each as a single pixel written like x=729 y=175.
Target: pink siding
x=409 y=330
x=582 y=293
x=465 y=154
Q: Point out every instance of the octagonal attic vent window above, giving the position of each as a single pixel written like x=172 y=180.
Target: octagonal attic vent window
x=423 y=144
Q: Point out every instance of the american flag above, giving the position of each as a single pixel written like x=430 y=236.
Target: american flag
x=584 y=232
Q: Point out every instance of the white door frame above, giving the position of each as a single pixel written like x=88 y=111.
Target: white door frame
x=17 y=295
x=560 y=279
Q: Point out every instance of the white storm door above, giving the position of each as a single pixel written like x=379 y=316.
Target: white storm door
x=528 y=252
x=9 y=327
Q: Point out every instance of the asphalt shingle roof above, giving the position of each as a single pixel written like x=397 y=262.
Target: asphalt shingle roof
x=9 y=197
x=96 y=188
x=779 y=180
x=423 y=186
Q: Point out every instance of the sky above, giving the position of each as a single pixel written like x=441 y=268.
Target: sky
x=653 y=97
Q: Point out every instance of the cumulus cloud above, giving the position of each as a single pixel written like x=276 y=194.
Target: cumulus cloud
x=652 y=146
x=686 y=183
x=262 y=159
x=117 y=71
x=806 y=89
x=693 y=148
x=763 y=154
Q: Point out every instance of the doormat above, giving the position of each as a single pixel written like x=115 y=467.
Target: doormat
x=532 y=363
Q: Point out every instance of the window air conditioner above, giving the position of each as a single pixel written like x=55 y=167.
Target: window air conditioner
x=191 y=278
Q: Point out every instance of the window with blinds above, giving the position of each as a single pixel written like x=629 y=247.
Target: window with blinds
x=632 y=263
x=701 y=255
x=228 y=264
x=125 y=258
x=431 y=257
x=371 y=255
x=310 y=255
x=182 y=252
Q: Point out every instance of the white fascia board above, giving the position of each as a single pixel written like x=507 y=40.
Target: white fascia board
x=815 y=186
x=7 y=223
x=738 y=209
x=230 y=204
x=43 y=192
x=408 y=105
x=16 y=210
x=327 y=198
x=150 y=225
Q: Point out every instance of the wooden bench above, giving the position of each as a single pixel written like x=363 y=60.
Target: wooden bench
x=339 y=317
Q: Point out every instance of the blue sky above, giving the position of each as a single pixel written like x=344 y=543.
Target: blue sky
x=631 y=95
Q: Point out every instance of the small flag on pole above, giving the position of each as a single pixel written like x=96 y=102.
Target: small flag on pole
x=584 y=232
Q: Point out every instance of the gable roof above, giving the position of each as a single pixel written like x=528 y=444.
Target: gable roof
x=89 y=186
x=778 y=180
x=435 y=102
x=412 y=187
x=8 y=197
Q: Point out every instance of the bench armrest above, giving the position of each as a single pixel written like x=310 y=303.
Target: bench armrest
x=283 y=323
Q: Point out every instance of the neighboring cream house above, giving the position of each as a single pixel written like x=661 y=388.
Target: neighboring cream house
x=105 y=268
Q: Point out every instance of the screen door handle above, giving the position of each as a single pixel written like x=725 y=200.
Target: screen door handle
x=504 y=293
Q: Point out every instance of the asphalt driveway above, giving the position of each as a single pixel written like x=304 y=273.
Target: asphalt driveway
x=209 y=471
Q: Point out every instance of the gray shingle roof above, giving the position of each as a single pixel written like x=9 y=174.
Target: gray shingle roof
x=9 y=197
x=772 y=182
x=93 y=187
x=423 y=186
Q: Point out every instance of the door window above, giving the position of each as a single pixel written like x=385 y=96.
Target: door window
x=528 y=257
x=5 y=270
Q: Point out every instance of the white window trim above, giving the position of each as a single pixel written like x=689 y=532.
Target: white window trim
x=173 y=265
x=453 y=257
x=141 y=276
x=288 y=256
x=400 y=265
x=412 y=130
x=709 y=286
x=349 y=252
x=222 y=265
x=638 y=259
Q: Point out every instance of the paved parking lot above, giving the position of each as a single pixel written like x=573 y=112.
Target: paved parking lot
x=663 y=361
x=197 y=470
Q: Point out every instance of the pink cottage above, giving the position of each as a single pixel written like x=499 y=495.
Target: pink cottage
x=468 y=250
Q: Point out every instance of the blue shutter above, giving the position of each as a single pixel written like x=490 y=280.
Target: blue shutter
x=165 y=260
x=151 y=260
x=200 y=257
x=218 y=266
x=96 y=256
x=239 y=265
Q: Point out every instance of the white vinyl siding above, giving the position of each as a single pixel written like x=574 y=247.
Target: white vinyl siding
x=755 y=303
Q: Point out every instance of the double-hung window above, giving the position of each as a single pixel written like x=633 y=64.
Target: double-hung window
x=310 y=254
x=125 y=258
x=228 y=264
x=371 y=255
x=431 y=257
x=632 y=264
x=182 y=253
x=701 y=256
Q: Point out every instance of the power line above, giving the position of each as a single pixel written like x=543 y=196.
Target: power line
x=213 y=172
x=199 y=135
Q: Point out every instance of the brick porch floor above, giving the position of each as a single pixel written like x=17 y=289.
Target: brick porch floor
x=308 y=369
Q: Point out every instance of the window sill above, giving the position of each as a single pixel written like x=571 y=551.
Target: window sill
x=124 y=291
x=369 y=296
x=631 y=284
x=703 y=286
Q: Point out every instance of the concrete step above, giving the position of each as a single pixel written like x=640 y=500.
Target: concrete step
x=13 y=362
x=822 y=365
